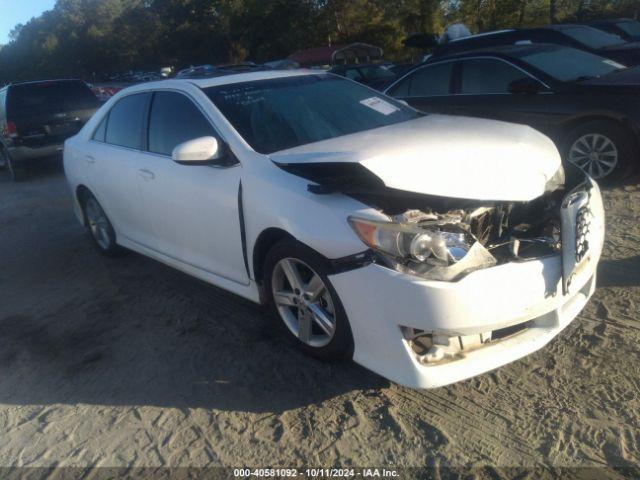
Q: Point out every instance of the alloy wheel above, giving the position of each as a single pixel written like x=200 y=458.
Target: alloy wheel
x=98 y=223
x=595 y=154
x=303 y=302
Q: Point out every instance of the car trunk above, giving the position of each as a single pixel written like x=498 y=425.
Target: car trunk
x=46 y=113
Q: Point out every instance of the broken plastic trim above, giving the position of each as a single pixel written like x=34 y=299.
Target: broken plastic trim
x=432 y=348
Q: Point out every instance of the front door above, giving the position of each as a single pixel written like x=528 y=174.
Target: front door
x=194 y=209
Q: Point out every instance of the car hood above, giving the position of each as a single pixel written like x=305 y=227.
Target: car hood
x=629 y=77
x=623 y=47
x=441 y=155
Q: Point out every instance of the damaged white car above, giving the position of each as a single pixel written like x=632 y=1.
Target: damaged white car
x=427 y=248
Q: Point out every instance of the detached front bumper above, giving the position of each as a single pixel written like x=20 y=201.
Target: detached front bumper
x=383 y=304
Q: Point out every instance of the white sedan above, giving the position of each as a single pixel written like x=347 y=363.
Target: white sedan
x=427 y=248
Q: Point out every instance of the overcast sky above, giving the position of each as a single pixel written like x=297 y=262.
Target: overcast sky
x=13 y=12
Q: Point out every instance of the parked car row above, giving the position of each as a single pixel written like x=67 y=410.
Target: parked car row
x=575 y=83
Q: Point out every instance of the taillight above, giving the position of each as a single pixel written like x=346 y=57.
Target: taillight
x=11 y=130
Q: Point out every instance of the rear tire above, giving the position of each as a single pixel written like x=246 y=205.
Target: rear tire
x=308 y=308
x=603 y=149
x=16 y=173
x=99 y=226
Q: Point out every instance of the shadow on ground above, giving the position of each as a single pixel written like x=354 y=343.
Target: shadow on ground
x=619 y=273
x=37 y=170
x=76 y=327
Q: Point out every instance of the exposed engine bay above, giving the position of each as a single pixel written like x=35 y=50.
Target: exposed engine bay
x=445 y=238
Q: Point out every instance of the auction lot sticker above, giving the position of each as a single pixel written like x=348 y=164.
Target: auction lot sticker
x=379 y=105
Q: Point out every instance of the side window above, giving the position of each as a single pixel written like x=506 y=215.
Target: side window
x=174 y=119
x=486 y=75
x=353 y=74
x=126 y=121
x=99 y=134
x=426 y=82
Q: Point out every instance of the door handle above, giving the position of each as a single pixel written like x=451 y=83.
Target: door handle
x=146 y=174
x=90 y=159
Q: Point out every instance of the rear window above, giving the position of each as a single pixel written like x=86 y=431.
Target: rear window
x=592 y=37
x=48 y=97
x=428 y=81
x=568 y=64
x=126 y=121
x=629 y=27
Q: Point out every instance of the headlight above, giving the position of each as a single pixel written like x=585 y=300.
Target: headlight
x=413 y=243
x=439 y=252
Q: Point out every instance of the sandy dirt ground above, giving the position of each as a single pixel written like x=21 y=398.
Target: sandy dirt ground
x=127 y=362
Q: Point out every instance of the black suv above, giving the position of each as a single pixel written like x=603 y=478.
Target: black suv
x=37 y=117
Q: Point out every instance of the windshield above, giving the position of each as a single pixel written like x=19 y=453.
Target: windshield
x=629 y=27
x=592 y=37
x=55 y=96
x=568 y=64
x=281 y=113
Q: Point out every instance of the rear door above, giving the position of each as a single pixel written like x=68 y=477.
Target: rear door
x=427 y=88
x=47 y=113
x=115 y=162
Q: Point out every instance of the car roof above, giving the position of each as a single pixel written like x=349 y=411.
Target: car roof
x=359 y=65
x=251 y=76
x=38 y=82
x=225 y=79
x=611 y=20
x=567 y=26
x=497 y=50
x=481 y=35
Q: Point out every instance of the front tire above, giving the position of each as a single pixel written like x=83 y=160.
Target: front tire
x=99 y=226
x=302 y=298
x=602 y=149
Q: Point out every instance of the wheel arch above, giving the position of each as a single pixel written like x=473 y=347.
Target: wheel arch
x=80 y=195
x=622 y=121
x=270 y=236
x=265 y=241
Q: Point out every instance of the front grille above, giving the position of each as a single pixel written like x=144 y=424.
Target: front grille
x=583 y=228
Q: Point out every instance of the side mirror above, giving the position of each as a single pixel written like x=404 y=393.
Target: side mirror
x=526 y=85
x=200 y=151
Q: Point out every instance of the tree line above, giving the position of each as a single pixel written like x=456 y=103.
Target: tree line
x=94 y=38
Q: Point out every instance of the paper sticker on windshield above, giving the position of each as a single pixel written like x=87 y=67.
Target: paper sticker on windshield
x=379 y=105
x=612 y=63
